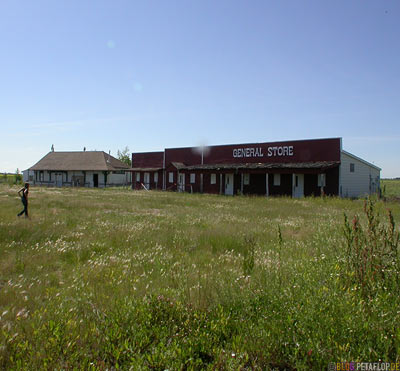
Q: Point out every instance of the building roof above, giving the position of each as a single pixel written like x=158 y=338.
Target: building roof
x=360 y=159
x=79 y=161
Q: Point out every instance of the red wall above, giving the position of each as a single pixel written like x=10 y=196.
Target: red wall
x=148 y=159
x=285 y=152
x=188 y=155
x=302 y=151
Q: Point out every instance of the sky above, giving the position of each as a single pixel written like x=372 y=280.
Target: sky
x=151 y=75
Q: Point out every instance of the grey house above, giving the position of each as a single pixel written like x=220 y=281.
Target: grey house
x=79 y=169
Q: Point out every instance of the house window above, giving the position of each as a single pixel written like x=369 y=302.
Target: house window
x=352 y=168
x=321 y=180
x=138 y=177
x=170 y=177
x=246 y=179
x=213 y=178
x=155 y=177
x=277 y=179
x=192 y=178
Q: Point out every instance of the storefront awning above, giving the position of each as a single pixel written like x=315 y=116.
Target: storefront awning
x=147 y=169
x=321 y=165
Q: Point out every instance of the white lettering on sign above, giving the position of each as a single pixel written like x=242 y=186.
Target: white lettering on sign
x=247 y=152
x=280 y=151
x=277 y=151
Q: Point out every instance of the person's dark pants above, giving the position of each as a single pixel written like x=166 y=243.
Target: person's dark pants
x=25 y=211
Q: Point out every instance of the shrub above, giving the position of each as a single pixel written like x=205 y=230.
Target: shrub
x=372 y=258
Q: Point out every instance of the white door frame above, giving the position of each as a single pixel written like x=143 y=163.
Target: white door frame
x=59 y=179
x=146 y=180
x=229 y=184
x=181 y=182
x=298 y=189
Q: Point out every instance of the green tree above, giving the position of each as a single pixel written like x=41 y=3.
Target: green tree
x=124 y=156
x=18 y=176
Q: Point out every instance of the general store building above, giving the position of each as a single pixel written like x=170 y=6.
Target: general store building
x=290 y=168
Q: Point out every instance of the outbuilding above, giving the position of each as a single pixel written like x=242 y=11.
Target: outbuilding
x=291 y=168
x=80 y=169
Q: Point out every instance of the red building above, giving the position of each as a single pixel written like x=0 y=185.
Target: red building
x=295 y=168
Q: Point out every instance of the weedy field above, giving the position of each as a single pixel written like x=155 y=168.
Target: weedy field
x=391 y=188
x=108 y=279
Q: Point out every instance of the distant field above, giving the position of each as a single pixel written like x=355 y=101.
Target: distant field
x=391 y=187
x=10 y=178
x=97 y=279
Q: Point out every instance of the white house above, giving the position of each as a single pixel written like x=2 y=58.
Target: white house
x=357 y=176
x=80 y=169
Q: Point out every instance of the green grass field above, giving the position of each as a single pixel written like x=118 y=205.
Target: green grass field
x=10 y=178
x=391 y=188
x=102 y=279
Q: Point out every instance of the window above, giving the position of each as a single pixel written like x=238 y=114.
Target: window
x=277 y=179
x=170 y=177
x=246 y=179
x=321 y=180
x=352 y=168
x=155 y=177
x=213 y=178
x=192 y=178
x=138 y=177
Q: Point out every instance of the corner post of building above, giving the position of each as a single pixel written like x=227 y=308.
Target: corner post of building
x=220 y=183
x=266 y=185
x=293 y=183
x=164 y=174
x=241 y=183
x=201 y=183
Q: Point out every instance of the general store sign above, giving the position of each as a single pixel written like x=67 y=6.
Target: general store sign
x=272 y=151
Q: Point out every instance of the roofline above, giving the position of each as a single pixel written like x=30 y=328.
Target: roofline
x=139 y=153
x=360 y=159
x=246 y=144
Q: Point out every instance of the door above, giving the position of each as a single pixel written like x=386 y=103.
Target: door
x=229 y=184
x=95 y=180
x=298 y=185
x=181 y=184
x=59 y=179
x=147 y=180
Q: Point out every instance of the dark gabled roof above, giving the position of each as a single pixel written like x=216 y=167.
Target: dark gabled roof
x=251 y=166
x=80 y=161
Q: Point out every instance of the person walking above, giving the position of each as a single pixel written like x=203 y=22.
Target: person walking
x=23 y=193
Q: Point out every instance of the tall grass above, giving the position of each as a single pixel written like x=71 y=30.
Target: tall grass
x=98 y=279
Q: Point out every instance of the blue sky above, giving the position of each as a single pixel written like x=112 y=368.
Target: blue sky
x=154 y=74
